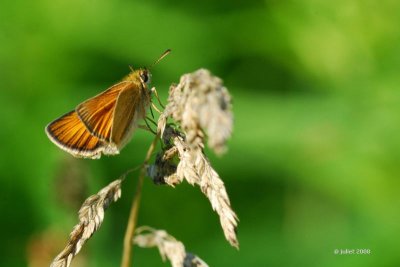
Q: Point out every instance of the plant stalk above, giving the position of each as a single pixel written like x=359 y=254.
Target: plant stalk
x=133 y=216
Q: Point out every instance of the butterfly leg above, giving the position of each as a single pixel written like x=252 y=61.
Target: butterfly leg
x=154 y=90
x=151 y=111
x=155 y=107
x=152 y=121
x=147 y=127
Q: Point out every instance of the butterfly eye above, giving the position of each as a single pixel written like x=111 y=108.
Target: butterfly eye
x=144 y=76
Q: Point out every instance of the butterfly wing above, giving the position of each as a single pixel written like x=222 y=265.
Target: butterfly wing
x=130 y=107
x=97 y=113
x=70 y=134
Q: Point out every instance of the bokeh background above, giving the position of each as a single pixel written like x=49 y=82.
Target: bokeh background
x=314 y=160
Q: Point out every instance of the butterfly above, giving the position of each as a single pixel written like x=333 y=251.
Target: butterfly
x=104 y=123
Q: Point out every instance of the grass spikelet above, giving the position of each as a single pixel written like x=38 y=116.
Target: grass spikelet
x=200 y=103
x=91 y=216
x=168 y=246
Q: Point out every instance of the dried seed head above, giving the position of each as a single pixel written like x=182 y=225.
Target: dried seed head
x=169 y=247
x=195 y=167
x=91 y=215
x=200 y=103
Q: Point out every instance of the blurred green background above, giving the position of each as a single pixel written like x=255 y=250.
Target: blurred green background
x=314 y=160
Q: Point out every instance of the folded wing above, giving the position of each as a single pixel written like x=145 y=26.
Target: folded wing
x=97 y=113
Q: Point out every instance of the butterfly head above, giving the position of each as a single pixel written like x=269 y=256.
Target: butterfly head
x=139 y=76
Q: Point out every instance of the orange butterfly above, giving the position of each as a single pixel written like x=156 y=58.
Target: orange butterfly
x=104 y=124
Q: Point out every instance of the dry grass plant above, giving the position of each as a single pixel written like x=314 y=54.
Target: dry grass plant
x=198 y=112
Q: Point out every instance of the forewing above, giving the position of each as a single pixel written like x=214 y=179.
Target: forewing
x=97 y=113
x=71 y=135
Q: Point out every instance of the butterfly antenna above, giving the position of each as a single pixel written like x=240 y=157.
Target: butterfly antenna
x=163 y=55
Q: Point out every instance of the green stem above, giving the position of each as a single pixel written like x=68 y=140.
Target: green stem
x=133 y=216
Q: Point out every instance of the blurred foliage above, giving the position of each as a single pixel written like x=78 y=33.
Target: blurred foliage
x=314 y=161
